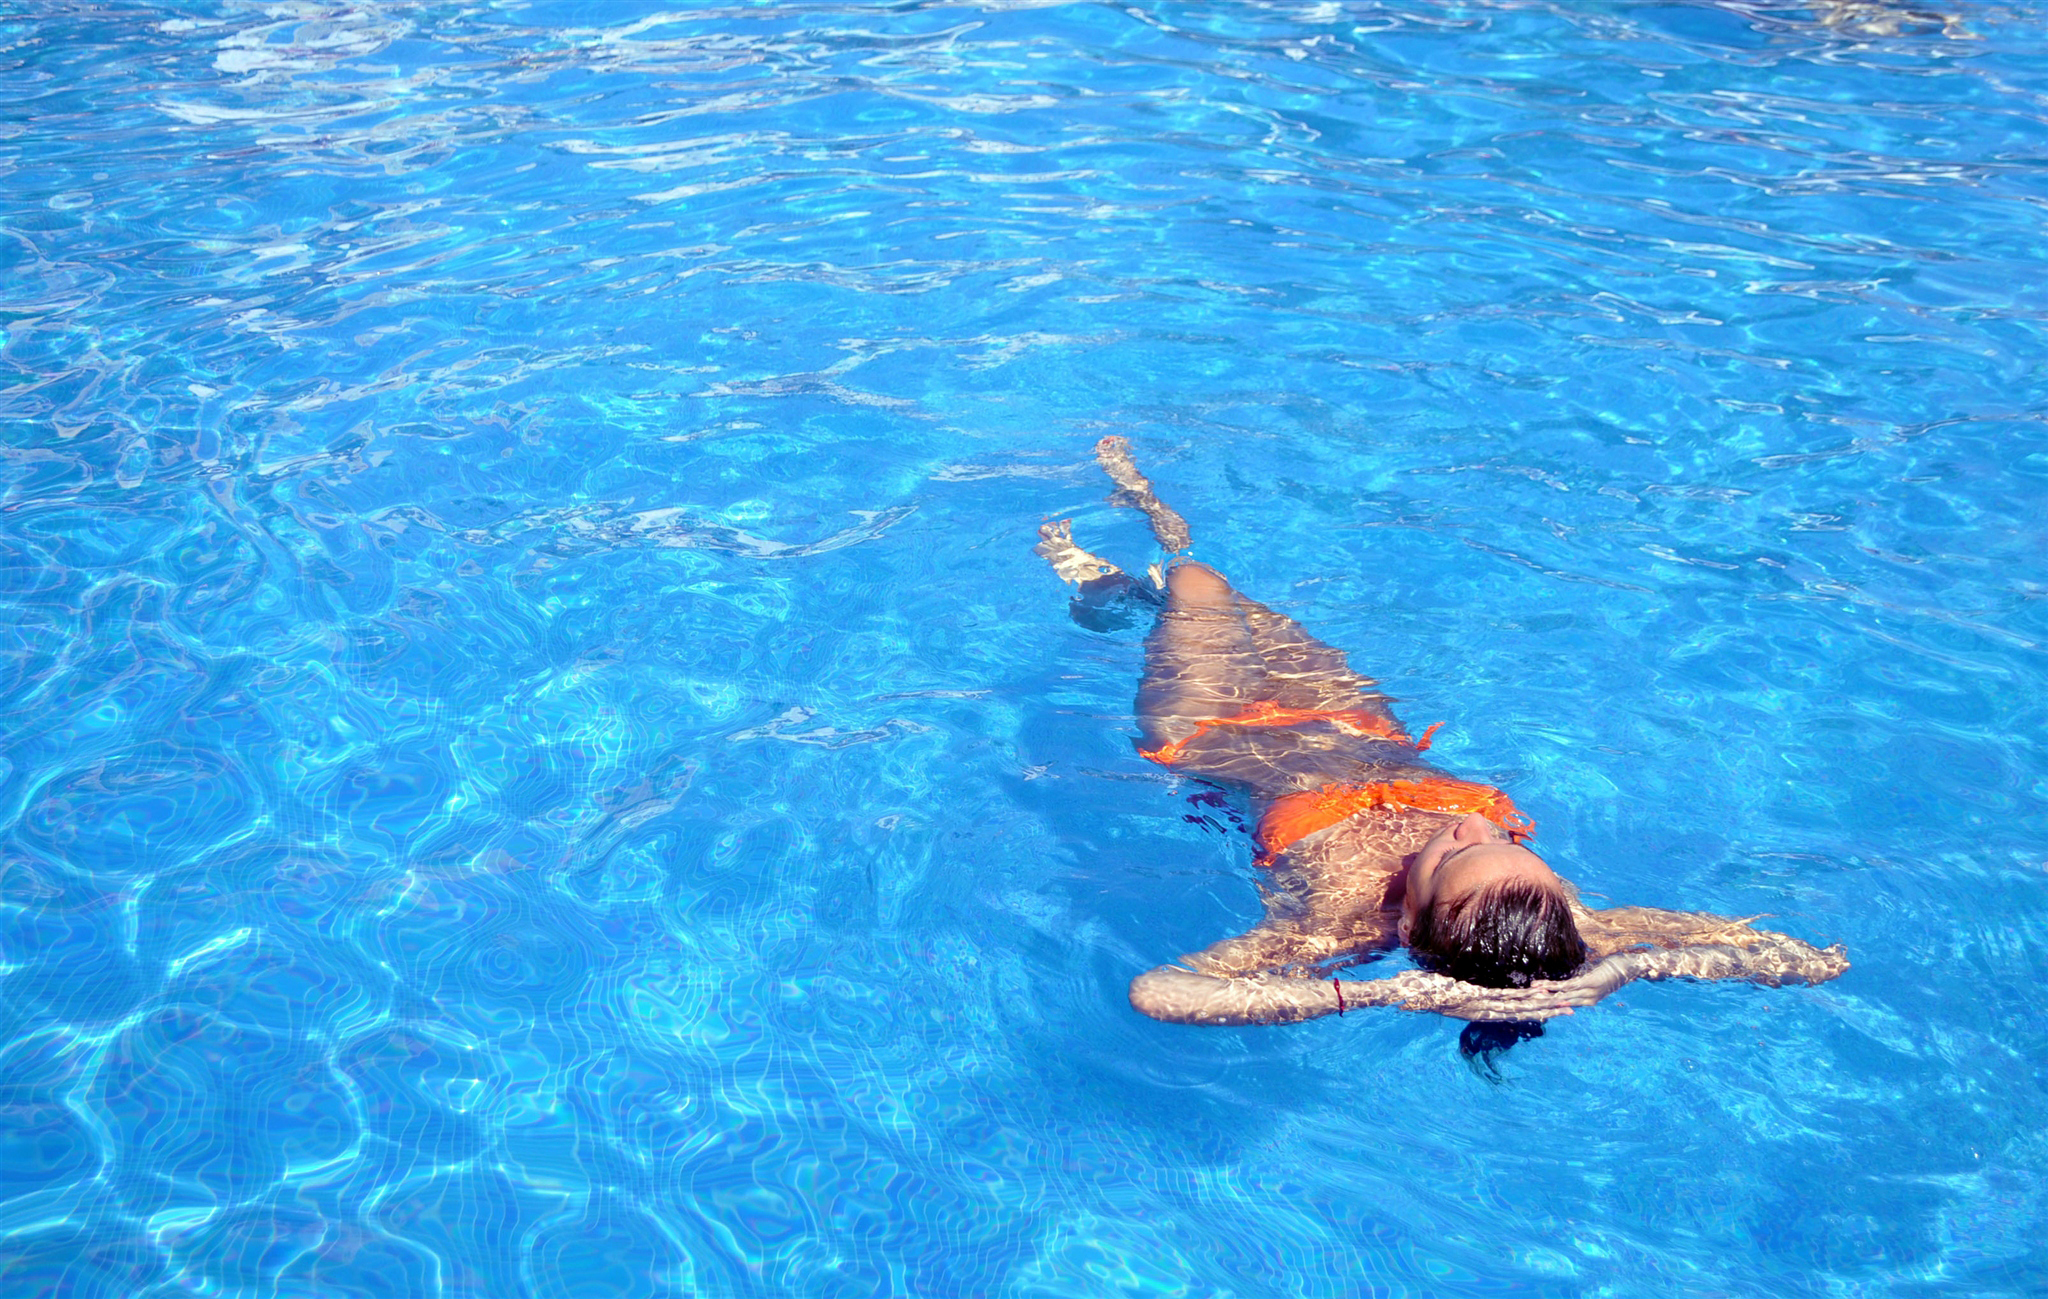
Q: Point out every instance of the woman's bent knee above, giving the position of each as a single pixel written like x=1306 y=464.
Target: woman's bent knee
x=1195 y=584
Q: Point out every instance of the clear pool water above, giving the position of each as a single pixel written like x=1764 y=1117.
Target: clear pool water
x=538 y=759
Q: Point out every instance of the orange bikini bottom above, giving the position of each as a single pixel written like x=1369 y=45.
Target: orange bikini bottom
x=1351 y=721
x=1294 y=817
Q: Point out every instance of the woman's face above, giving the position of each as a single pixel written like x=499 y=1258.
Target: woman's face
x=1462 y=858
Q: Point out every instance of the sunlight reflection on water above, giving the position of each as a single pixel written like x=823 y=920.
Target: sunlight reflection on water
x=538 y=758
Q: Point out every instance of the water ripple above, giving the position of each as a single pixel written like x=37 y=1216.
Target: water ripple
x=537 y=759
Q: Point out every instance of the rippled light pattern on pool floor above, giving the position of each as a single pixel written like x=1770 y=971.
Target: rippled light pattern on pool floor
x=538 y=759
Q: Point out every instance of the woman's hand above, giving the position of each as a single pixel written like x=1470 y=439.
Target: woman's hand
x=1419 y=990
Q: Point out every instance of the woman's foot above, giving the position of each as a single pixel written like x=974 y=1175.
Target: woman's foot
x=1108 y=599
x=1072 y=564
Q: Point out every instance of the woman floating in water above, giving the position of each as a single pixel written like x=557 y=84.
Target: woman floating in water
x=1365 y=845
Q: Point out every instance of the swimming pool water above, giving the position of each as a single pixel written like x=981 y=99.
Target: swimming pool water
x=538 y=759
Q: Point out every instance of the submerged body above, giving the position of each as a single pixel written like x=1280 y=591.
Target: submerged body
x=1364 y=843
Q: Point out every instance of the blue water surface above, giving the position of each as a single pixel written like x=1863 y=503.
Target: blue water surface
x=538 y=759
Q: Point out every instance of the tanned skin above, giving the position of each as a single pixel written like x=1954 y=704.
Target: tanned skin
x=1350 y=892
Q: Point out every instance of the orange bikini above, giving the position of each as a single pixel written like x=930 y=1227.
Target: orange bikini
x=1351 y=721
x=1294 y=817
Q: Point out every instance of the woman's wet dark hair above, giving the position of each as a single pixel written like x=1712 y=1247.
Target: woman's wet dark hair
x=1504 y=936
x=1483 y=1044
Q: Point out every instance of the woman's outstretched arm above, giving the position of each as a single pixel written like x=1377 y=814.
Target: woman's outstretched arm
x=1183 y=997
x=1763 y=957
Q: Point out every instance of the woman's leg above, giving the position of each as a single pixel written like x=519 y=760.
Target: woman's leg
x=1213 y=653
x=1133 y=489
x=1302 y=672
x=1201 y=662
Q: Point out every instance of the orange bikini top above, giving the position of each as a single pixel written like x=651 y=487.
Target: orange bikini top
x=1294 y=817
